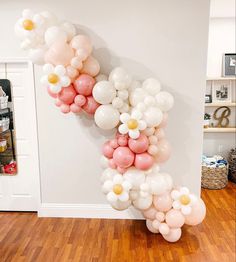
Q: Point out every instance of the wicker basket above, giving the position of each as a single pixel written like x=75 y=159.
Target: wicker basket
x=214 y=177
x=232 y=165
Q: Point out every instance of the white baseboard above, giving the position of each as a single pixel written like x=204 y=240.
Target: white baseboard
x=86 y=211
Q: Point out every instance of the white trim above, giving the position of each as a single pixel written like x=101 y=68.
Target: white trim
x=87 y=211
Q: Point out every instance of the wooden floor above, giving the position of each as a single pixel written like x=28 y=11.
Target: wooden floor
x=25 y=237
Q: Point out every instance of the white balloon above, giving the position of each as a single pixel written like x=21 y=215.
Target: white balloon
x=107 y=117
x=150 y=227
x=119 y=205
x=37 y=55
x=169 y=181
x=143 y=203
x=124 y=108
x=69 y=29
x=174 y=235
x=55 y=34
x=137 y=96
x=135 y=177
x=104 y=92
x=164 y=101
x=104 y=162
x=123 y=94
x=153 y=116
x=152 y=86
x=117 y=102
x=149 y=101
x=158 y=184
x=51 y=19
x=134 y=84
x=120 y=78
x=108 y=174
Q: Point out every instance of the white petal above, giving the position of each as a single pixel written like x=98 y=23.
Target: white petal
x=175 y=194
x=60 y=70
x=136 y=114
x=142 y=125
x=124 y=118
x=27 y=13
x=112 y=197
x=38 y=19
x=186 y=210
x=65 y=81
x=123 y=129
x=184 y=191
x=134 y=133
x=107 y=186
x=126 y=185
x=55 y=88
x=124 y=196
x=48 y=68
x=176 y=204
x=44 y=80
x=118 y=179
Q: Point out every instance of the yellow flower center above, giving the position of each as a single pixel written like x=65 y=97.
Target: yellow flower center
x=53 y=78
x=132 y=124
x=184 y=199
x=28 y=24
x=117 y=189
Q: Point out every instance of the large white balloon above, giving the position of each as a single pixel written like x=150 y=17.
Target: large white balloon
x=119 y=205
x=37 y=55
x=120 y=78
x=69 y=29
x=159 y=183
x=152 y=86
x=55 y=34
x=153 y=116
x=106 y=117
x=137 y=96
x=143 y=203
x=135 y=177
x=164 y=101
x=108 y=174
x=50 y=18
x=104 y=92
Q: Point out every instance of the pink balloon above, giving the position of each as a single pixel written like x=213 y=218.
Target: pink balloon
x=74 y=108
x=164 y=151
x=84 y=84
x=197 y=214
x=150 y=227
x=164 y=229
x=174 y=218
x=143 y=161
x=123 y=157
x=163 y=202
x=160 y=133
x=65 y=108
x=72 y=72
x=107 y=150
x=150 y=213
x=139 y=145
x=113 y=143
x=82 y=43
x=91 y=66
x=91 y=105
x=174 y=235
x=163 y=123
x=123 y=141
x=51 y=93
x=80 y=100
x=112 y=164
x=59 y=54
x=67 y=95
x=58 y=102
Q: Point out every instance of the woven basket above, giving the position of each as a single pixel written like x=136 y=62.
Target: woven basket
x=232 y=165
x=214 y=177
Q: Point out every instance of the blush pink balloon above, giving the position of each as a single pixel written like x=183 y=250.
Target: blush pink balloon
x=65 y=108
x=107 y=150
x=58 y=102
x=139 y=145
x=122 y=139
x=51 y=93
x=113 y=143
x=164 y=121
x=75 y=109
x=91 y=66
x=160 y=133
x=163 y=202
x=150 y=227
x=91 y=105
x=150 y=213
x=112 y=164
x=82 y=42
x=72 y=72
x=84 y=84
x=67 y=95
x=174 y=218
x=123 y=157
x=143 y=161
x=164 y=151
x=59 y=54
x=174 y=235
x=80 y=100
x=197 y=214
x=121 y=170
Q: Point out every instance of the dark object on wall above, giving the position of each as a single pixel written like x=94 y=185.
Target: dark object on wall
x=221 y=114
x=229 y=64
x=208 y=99
x=6 y=86
x=232 y=165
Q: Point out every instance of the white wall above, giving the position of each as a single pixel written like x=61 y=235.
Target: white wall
x=164 y=39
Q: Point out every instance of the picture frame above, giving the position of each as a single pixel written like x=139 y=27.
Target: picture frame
x=221 y=92
x=208 y=99
x=229 y=64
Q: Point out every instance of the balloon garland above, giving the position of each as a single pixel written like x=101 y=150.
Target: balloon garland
x=138 y=110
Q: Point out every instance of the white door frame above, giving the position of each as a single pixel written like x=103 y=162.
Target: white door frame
x=35 y=144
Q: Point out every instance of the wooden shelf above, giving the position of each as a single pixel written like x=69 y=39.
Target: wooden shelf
x=232 y=104
x=220 y=130
x=221 y=78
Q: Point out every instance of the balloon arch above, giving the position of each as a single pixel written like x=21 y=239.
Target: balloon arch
x=139 y=112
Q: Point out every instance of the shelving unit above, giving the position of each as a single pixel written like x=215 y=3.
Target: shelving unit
x=220 y=78
x=231 y=104
x=220 y=130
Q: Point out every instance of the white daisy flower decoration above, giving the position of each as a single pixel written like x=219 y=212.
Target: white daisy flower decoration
x=183 y=200
x=117 y=189
x=31 y=28
x=55 y=77
x=132 y=124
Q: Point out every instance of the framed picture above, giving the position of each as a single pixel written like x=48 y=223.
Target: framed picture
x=229 y=64
x=221 y=92
x=208 y=99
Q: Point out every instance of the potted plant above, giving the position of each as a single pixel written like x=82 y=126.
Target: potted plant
x=207 y=118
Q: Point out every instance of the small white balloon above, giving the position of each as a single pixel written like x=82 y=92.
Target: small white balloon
x=124 y=108
x=55 y=34
x=164 y=101
x=141 y=107
x=135 y=177
x=152 y=86
x=173 y=235
x=69 y=29
x=117 y=102
x=137 y=96
x=153 y=116
x=108 y=174
x=143 y=203
x=120 y=78
x=104 y=92
x=123 y=94
x=149 y=101
x=120 y=205
x=76 y=63
x=150 y=227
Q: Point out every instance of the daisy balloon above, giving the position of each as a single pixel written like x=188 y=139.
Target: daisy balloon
x=55 y=77
x=132 y=124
